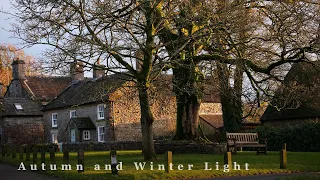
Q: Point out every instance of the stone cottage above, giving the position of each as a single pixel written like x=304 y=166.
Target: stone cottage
x=297 y=99
x=77 y=109
x=21 y=118
x=106 y=108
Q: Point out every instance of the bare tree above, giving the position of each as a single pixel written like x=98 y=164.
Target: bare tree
x=258 y=42
x=253 y=41
x=114 y=32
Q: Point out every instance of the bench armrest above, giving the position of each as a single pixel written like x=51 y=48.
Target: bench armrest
x=265 y=140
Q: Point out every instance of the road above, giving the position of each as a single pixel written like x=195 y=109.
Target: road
x=8 y=172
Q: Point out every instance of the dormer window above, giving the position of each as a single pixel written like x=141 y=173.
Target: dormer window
x=18 y=106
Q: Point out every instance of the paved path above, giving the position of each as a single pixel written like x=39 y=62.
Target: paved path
x=8 y=172
x=257 y=177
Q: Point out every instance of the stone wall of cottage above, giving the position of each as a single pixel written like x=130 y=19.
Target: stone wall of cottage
x=127 y=115
x=89 y=110
x=122 y=116
x=26 y=130
x=210 y=108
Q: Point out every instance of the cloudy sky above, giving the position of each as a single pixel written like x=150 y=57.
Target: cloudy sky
x=7 y=37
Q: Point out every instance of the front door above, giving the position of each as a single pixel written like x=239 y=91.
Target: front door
x=73 y=135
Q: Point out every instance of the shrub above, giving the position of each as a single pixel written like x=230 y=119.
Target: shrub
x=303 y=137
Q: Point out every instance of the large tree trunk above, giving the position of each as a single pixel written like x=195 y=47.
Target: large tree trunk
x=188 y=90
x=146 y=121
x=187 y=117
x=230 y=98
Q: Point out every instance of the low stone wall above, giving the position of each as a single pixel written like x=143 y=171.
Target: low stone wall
x=160 y=147
x=187 y=147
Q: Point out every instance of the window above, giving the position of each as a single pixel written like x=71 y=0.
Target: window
x=86 y=135
x=54 y=118
x=18 y=106
x=54 y=138
x=73 y=113
x=101 y=133
x=100 y=111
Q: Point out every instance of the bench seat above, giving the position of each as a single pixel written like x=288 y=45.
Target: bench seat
x=239 y=140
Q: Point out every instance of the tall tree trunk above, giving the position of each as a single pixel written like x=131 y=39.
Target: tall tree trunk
x=188 y=90
x=146 y=121
x=181 y=116
x=230 y=99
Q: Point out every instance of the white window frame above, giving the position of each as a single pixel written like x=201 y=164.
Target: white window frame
x=101 y=133
x=54 y=138
x=99 y=112
x=86 y=135
x=75 y=113
x=54 y=120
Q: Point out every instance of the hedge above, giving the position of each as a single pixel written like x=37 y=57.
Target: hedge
x=303 y=137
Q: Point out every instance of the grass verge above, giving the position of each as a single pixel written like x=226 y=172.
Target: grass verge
x=192 y=165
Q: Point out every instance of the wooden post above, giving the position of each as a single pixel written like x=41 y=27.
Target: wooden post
x=21 y=151
x=66 y=157
x=27 y=152
x=284 y=146
x=81 y=160
x=3 y=150
x=168 y=161
x=14 y=151
x=43 y=154
x=114 y=162
x=228 y=159
x=52 y=155
x=8 y=150
x=34 y=154
x=283 y=157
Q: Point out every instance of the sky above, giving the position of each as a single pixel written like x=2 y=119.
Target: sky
x=7 y=37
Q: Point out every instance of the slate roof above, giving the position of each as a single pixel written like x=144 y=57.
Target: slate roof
x=30 y=107
x=83 y=123
x=214 y=120
x=299 y=95
x=44 y=88
x=88 y=91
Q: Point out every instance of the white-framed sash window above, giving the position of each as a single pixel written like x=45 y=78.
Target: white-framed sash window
x=73 y=113
x=100 y=111
x=54 y=138
x=54 y=119
x=101 y=132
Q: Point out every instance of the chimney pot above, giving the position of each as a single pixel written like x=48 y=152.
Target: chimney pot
x=76 y=71
x=98 y=70
x=1 y=90
x=18 y=69
x=139 y=57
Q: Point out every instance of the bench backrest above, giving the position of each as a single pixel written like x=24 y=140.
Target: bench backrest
x=242 y=137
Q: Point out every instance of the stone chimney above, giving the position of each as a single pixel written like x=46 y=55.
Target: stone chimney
x=139 y=55
x=98 y=70
x=76 y=71
x=1 y=90
x=18 y=69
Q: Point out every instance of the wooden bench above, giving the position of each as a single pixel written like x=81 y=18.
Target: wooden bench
x=240 y=140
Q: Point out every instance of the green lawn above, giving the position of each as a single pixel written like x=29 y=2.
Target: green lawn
x=258 y=164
